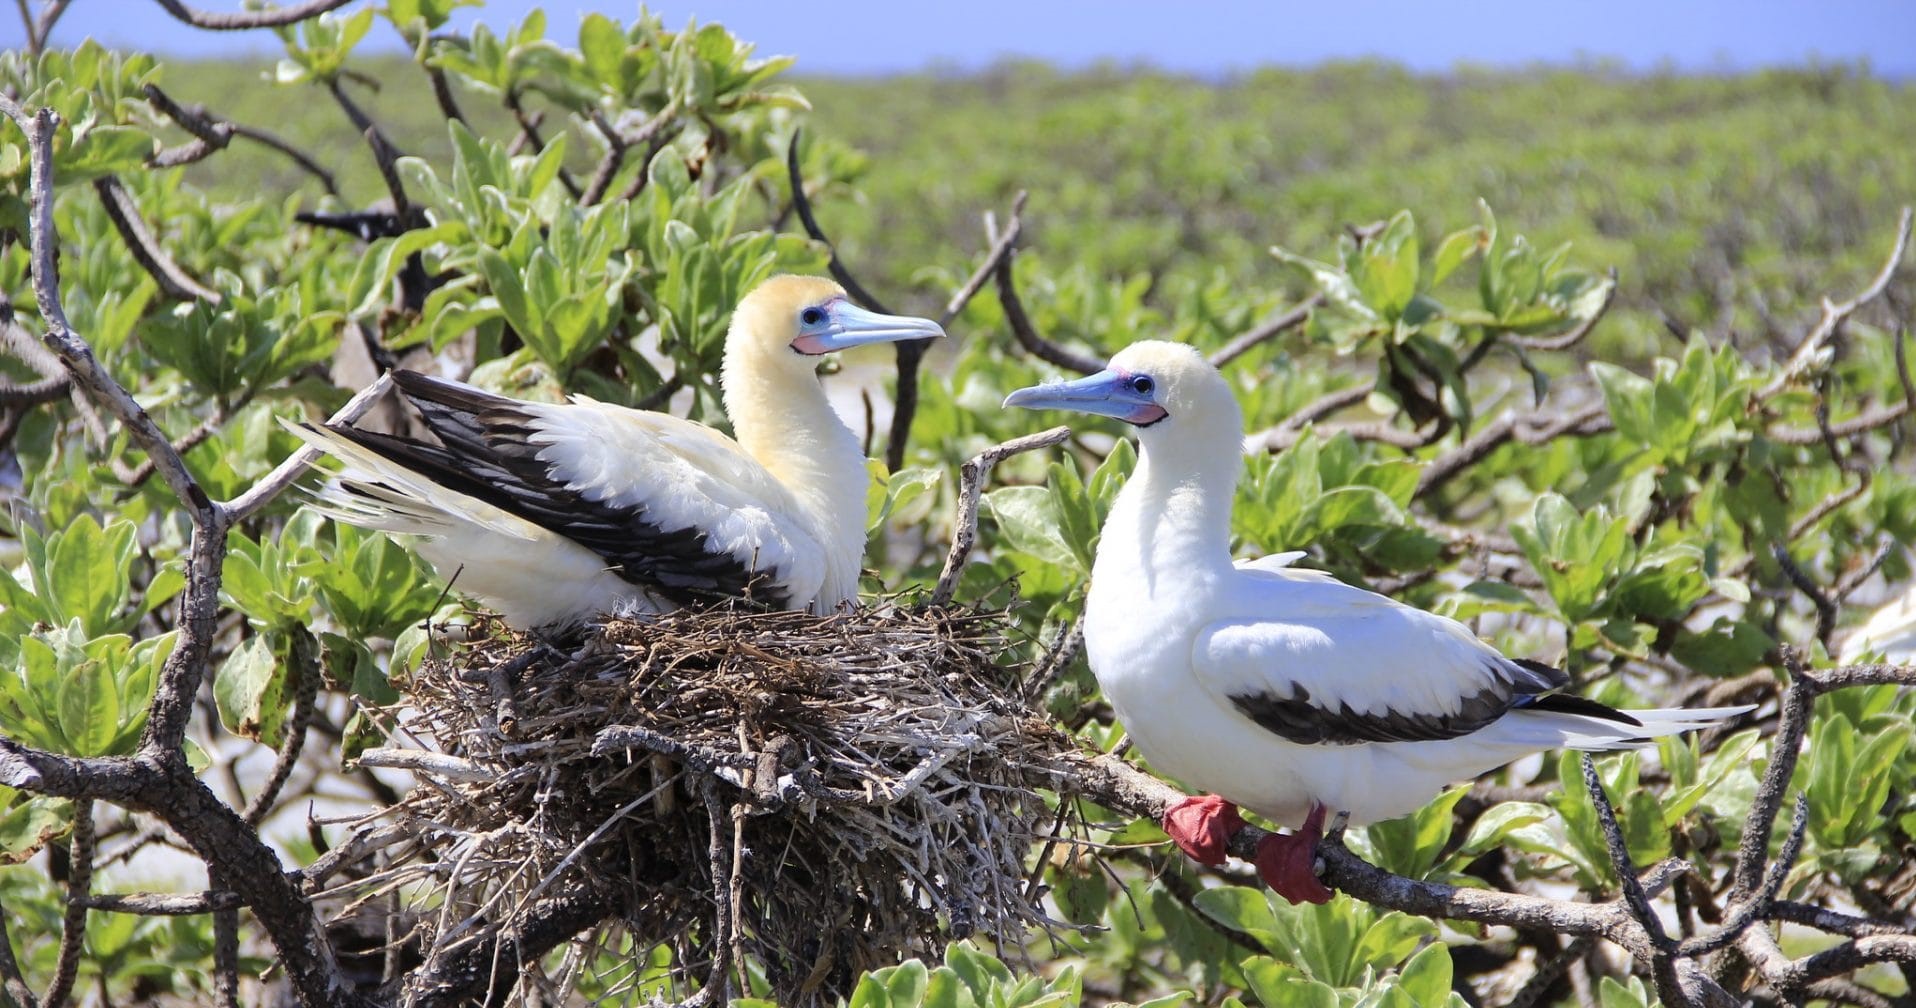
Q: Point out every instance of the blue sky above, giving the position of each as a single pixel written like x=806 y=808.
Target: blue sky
x=876 y=36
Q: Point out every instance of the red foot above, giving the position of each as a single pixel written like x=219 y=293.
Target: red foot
x=1287 y=861
x=1202 y=827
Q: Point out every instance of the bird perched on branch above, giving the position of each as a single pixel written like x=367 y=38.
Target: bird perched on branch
x=557 y=513
x=1280 y=689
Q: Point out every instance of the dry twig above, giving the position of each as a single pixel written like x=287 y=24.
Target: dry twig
x=971 y=480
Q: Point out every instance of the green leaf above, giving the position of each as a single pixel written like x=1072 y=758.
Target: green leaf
x=1409 y=845
x=1498 y=822
x=249 y=691
x=1336 y=285
x=1028 y=518
x=90 y=708
x=1242 y=908
x=28 y=823
x=1427 y=976
x=1454 y=250
x=1389 y=267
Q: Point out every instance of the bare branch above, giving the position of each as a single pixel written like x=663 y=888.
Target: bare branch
x=147 y=251
x=65 y=343
x=1662 y=963
x=483 y=972
x=1836 y=313
x=1825 y=919
x=39 y=29
x=299 y=157
x=165 y=904
x=441 y=765
x=1027 y=334
x=12 y=983
x=73 y=927
x=225 y=949
x=801 y=201
x=1001 y=246
x=1532 y=428
x=275 y=18
x=971 y=476
x=283 y=475
x=1575 y=334
x=617 y=143
x=385 y=154
x=1265 y=331
x=54 y=381
x=1753 y=853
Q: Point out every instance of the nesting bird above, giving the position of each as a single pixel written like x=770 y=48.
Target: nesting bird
x=557 y=513
x=1279 y=689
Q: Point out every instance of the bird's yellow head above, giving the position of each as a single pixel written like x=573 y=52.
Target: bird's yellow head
x=787 y=320
x=1153 y=385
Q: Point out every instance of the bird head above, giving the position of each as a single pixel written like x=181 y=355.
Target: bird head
x=788 y=320
x=1153 y=385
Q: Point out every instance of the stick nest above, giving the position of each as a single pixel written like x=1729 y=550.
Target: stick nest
x=822 y=795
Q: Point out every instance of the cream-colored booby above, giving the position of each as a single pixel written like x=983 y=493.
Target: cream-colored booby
x=1279 y=689
x=557 y=513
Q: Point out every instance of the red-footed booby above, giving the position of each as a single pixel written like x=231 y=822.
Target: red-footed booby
x=1281 y=690
x=557 y=513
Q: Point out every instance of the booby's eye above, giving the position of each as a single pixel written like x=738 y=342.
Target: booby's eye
x=812 y=316
x=1142 y=384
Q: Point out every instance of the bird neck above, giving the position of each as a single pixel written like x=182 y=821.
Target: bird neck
x=1176 y=508
x=784 y=420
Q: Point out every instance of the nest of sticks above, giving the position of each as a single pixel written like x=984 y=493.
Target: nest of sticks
x=817 y=795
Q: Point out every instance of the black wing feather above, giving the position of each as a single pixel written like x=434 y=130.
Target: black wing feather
x=484 y=453
x=1517 y=683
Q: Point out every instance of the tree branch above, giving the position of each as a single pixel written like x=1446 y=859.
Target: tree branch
x=276 y=18
x=73 y=926
x=12 y=983
x=1001 y=247
x=971 y=477
x=1027 y=334
x=1836 y=313
x=1266 y=331
x=1575 y=334
x=147 y=251
x=283 y=475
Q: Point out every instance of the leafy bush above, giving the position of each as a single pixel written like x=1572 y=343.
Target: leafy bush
x=1682 y=522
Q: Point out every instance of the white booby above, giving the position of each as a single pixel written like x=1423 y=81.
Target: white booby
x=1284 y=690
x=556 y=513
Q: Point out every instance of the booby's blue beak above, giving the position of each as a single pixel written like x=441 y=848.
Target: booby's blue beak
x=838 y=324
x=1107 y=393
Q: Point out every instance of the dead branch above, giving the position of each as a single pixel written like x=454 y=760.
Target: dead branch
x=79 y=884
x=286 y=473
x=12 y=983
x=274 y=18
x=53 y=382
x=1535 y=427
x=40 y=28
x=1001 y=246
x=165 y=904
x=1575 y=334
x=1027 y=334
x=1662 y=962
x=1265 y=331
x=1836 y=313
x=971 y=480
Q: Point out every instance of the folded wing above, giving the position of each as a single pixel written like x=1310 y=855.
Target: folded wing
x=1343 y=666
x=667 y=505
